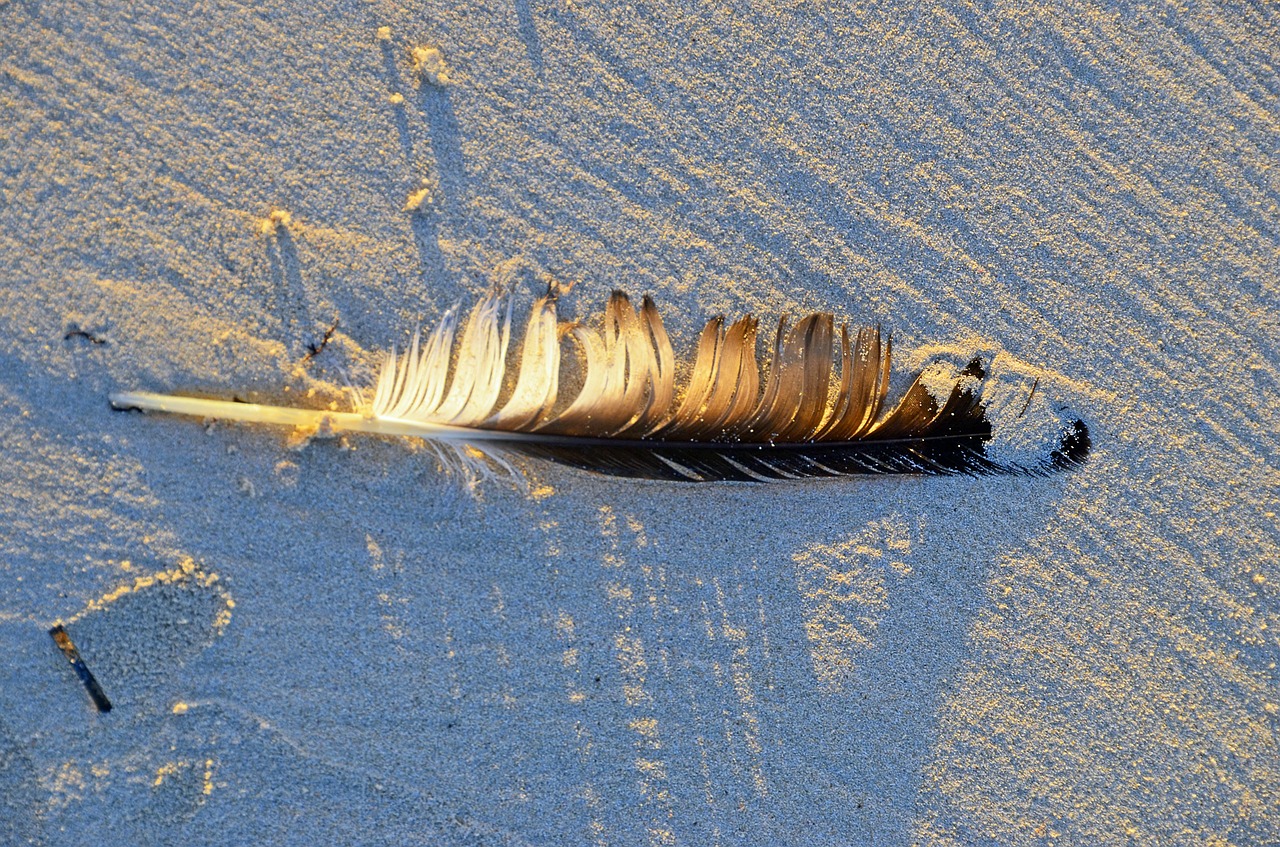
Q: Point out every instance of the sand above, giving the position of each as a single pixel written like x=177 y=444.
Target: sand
x=338 y=643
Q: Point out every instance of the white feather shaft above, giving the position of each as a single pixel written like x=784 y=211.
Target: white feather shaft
x=333 y=422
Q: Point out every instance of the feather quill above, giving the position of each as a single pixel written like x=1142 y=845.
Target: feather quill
x=625 y=420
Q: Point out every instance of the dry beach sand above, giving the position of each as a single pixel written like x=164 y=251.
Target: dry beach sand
x=338 y=643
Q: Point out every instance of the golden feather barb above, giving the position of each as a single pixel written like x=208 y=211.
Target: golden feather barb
x=626 y=421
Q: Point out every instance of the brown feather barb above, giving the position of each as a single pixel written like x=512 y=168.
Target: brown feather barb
x=625 y=420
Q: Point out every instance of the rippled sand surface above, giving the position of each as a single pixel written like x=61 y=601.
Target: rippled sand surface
x=337 y=643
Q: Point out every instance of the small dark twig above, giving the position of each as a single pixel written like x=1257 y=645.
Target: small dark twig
x=1030 y=394
x=77 y=332
x=69 y=650
x=314 y=349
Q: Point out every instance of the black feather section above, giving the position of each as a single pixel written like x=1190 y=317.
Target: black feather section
x=954 y=443
x=710 y=461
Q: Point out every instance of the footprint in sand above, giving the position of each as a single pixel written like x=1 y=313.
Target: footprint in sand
x=135 y=637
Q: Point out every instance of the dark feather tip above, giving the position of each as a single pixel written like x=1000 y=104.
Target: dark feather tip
x=1074 y=448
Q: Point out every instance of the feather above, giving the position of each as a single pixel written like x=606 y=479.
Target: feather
x=625 y=420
